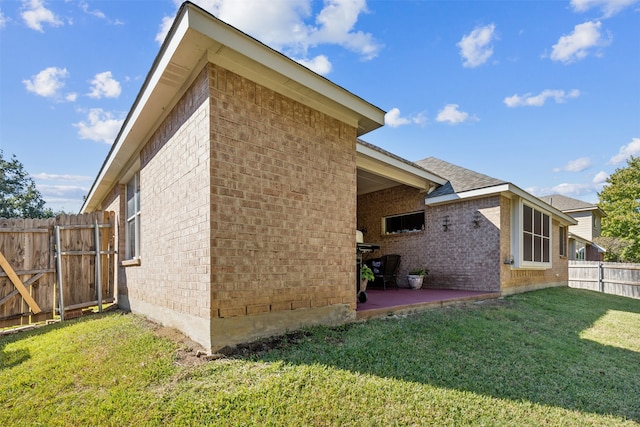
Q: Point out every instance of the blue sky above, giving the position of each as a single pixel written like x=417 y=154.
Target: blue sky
x=543 y=94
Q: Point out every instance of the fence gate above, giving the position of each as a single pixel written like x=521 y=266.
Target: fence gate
x=55 y=265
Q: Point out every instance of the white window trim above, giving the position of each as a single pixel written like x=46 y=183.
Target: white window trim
x=563 y=241
x=517 y=242
x=135 y=218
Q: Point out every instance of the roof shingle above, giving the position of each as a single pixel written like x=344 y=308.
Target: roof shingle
x=459 y=178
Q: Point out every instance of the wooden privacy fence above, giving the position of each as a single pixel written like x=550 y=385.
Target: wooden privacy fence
x=55 y=265
x=609 y=277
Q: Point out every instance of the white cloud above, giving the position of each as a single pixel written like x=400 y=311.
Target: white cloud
x=165 y=26
x=104 y=85
x=608 y=7
x=577 y=165
x=577 y=45
x=626 y=151
x=475 y=47
x=600 y=178
x=100 y=126
x=47 y=82
x=320 y=64
x=530 y=100
x=577 y=190
x=394 y=119
x=3 y=20
x=95 y=12
x=288 y=25
x=452 y=115
x=35 y=14
x=589 y=188
x=43 y=176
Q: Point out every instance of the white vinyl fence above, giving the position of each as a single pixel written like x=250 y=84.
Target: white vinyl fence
x=609 y=277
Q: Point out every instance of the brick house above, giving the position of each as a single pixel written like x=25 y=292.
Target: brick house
x=474 y=232
x=588 y=228
x=238 y=182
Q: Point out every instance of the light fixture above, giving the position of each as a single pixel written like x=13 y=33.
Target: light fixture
x=476 y=219
x=446 y=223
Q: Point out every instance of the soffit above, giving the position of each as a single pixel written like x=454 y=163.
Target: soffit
x=195 y=38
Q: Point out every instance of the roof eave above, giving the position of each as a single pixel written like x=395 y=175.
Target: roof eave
x=403 y=171
x=196 y=36
x=506 y=189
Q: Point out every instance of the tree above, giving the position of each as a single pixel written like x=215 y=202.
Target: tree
x=620 y=200
x=19 y=197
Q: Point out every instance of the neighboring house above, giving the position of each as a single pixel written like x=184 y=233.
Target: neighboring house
x=582 y=235
x=478 y=233
x=238 y=182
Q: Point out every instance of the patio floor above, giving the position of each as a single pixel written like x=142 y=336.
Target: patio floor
x=404 y=301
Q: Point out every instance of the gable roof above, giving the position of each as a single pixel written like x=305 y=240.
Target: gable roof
x=459 y=179
x=196 y=38
x=569 y=204
x=466 y=184
x=379 y=169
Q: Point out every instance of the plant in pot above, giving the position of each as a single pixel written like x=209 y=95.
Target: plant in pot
x=366 y=275
x=416 y=277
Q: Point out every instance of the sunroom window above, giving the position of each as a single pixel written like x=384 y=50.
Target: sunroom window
x=536 y=235
x=532 y=237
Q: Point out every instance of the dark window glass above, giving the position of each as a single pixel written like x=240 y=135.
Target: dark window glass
x=527 y=244
x=404 y=223
x=527 y=219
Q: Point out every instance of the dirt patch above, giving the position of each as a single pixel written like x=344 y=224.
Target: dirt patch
x=188 y=353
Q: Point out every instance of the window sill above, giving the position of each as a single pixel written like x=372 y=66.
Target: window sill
x=131 y=262
x=403 y=233
x=532 y=267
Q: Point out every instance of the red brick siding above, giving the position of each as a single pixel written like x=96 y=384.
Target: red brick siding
x=465 y=256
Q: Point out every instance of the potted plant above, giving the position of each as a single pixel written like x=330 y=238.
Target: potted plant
x=366 y=275
x=416 y=277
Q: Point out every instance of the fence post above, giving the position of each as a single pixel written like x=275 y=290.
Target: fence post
x=601 y=276
x=98 y=265
x=59 y=273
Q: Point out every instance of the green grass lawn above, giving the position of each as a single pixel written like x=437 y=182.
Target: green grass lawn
x=561 y=357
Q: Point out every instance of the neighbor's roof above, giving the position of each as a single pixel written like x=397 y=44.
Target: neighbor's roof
x=569 y=204
x=196 y=38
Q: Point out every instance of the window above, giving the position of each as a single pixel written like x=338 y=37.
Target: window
x=536 y=235
x=563 y=240
x=531 y=239
x=404 y=223
x=132 y=229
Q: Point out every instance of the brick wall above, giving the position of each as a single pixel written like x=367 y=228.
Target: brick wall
x=174 y=272
x=283 y=202
x=467 y=256
x=463 y=257
x=516 y=280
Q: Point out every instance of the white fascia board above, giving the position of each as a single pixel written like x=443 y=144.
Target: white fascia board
x=471 y=194
x=542 y=205
x=586 y=242
x=122 y=150
x=498 y=189
x=398 y=164
x=291 y=74
x=589 y=209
